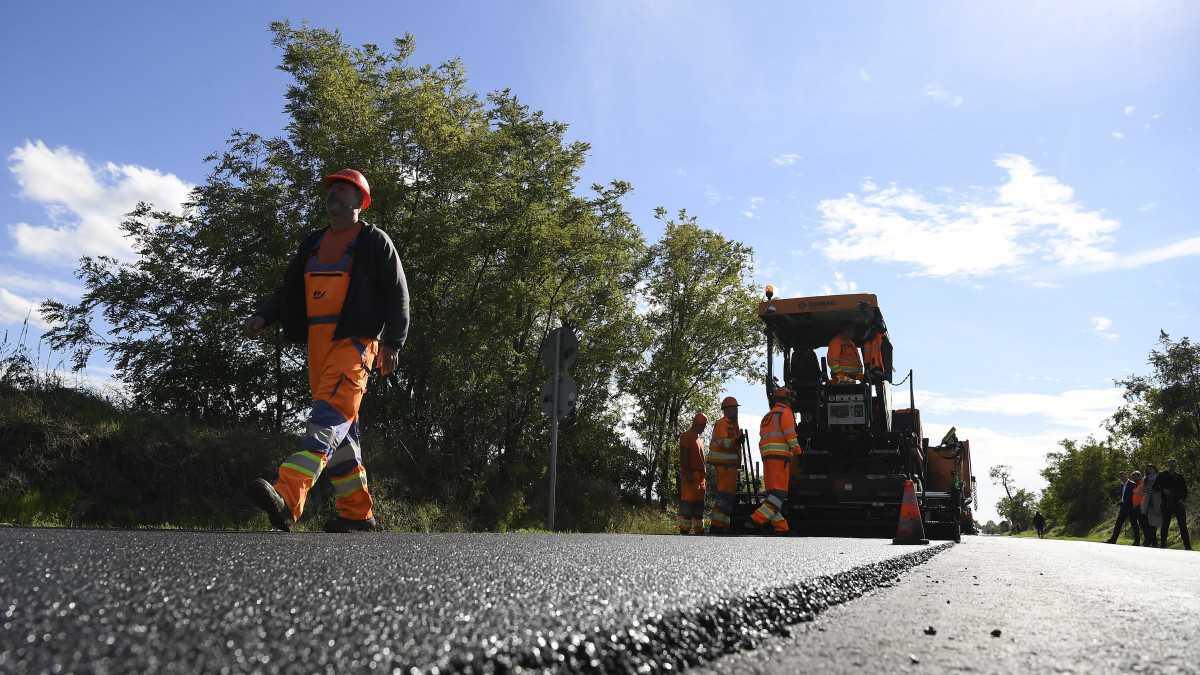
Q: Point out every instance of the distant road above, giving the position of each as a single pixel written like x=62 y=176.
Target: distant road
x=1058 y=607
x=153 y=601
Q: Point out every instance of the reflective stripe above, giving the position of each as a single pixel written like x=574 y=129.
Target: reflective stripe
x=305 y=462
x=350 y=484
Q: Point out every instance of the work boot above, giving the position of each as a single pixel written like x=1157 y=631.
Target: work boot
x=263 y=495
x=341 y=524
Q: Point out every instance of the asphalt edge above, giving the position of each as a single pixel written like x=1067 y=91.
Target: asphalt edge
x=685 y=638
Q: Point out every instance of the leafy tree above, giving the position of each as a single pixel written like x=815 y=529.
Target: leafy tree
x=1017 y=504
x=1082 y=482
x=701 y=329
x=1161 y=415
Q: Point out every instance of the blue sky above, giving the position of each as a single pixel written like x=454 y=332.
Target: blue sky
x=1016 y=181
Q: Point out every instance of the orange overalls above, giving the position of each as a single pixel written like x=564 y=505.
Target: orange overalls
x=873 y=352
x=691 y=495
x=777 y=442
x=844 y=364
x=724 y=452
x=337 y=373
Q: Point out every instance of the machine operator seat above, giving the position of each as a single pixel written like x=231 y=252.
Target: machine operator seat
x=806 y=381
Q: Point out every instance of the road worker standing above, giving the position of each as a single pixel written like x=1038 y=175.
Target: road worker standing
x=845 y=366
x=725 y=453
x=692 y=478
x=345 y=295
x=777 y=442
x=872 y=352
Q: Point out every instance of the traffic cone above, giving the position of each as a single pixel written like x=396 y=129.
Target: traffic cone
x=910 y=530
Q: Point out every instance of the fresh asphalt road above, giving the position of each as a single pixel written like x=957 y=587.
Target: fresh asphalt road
x=154 y=601
x=1055 y=607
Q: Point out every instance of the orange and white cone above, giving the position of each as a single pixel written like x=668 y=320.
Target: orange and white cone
x=910 y=530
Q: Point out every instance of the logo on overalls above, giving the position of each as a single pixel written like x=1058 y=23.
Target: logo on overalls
x=317 y=295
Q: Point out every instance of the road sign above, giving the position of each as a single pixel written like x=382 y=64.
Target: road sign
x=566 y=395
x=568 y=348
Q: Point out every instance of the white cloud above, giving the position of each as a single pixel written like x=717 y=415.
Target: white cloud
x=867 y=185
x=938 y=94
x=1031 y=216
x=84 y=203
x=786 y=160
x=1129 y=110
x=1147 y=207
x=839 y=286
x=1117 y=134
x=1079 y=409
x=1100 y=326
x=1179 y=249
x=712 y=195
x=15 y=309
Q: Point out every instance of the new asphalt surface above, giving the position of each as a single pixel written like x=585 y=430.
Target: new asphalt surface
x=175 y=601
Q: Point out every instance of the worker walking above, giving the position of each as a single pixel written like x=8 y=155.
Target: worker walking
x=345 y=295
x=692 y=478
x=724 y=452
x=845 y=365
x=777 y=442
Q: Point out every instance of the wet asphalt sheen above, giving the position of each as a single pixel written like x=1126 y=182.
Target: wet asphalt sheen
x=116 y=601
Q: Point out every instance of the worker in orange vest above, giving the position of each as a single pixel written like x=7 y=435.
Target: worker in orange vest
x=1139 y=496
x=872 y=352
x=724 y=452
x=692 y=478
x=845 y=366
x=777 y=442
x=345 y=295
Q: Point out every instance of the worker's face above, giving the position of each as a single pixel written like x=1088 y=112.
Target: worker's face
x=1171 y=466
x=1124 y=476
x=731 y=413
x=342 y=196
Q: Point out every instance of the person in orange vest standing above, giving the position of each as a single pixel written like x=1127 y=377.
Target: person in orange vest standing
x=345 y=295
x=845 y=365
x=777 y=442
x=872 y=352
x=724 y=452
x=692 y=478
x=1137 y=516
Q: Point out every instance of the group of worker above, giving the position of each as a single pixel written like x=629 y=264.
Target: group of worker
x=1150 y=502
x=778 y=444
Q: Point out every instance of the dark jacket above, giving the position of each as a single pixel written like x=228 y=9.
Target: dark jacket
x=1127 y=489
x=376 y=301
x=1039 y=521
x=1173 y=482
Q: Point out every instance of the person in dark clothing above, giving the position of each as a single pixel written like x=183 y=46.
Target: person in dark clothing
x=1126 y=511
x=1039 y=521
x=1173 y=487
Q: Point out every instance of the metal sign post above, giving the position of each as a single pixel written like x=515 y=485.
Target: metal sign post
x=558 y=393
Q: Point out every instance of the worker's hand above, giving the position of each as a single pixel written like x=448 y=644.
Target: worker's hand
x=388 y=360
x=254 y=326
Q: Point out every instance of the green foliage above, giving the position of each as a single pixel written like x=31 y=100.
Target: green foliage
x=1161 y=415
x=700 y=328
x=1082 y=482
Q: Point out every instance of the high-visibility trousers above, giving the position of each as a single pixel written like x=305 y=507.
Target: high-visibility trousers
x=691 y=504
x=338 y=372
x=726 y=490
x=775 y=477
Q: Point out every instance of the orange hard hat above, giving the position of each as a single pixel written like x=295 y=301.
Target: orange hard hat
x=699 y=419
x=783 y=392
x=729 y=400
x=353 y=177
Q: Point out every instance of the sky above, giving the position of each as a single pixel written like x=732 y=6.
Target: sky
x=1017 y=182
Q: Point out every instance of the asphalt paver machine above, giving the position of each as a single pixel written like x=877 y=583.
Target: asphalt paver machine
x=858 y=451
